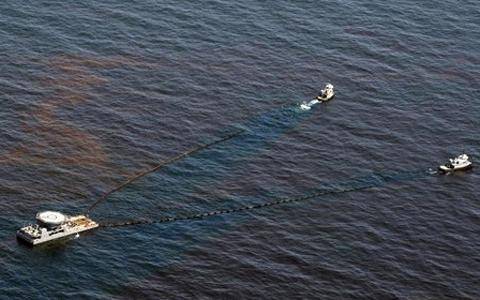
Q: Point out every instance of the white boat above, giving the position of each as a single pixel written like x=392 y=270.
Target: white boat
x=52 y=225
x=461 y=162
x=325 y=95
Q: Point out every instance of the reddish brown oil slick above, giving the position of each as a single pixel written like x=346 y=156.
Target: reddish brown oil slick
x=58 y=142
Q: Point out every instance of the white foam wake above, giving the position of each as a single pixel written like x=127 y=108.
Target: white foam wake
x=308 y=106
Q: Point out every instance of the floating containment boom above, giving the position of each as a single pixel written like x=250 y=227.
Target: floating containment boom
x=52 y=225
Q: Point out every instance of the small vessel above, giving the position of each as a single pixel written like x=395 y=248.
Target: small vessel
x=327 y=93
x=52 y=225
x=458 y=163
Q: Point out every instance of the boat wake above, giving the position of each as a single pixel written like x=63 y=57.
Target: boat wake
x=308 y=105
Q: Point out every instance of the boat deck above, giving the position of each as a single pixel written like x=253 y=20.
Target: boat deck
x=82 y=221
x=34 y=235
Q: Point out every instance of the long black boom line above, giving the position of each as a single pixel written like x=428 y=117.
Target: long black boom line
x=162 y=164
x=380 y=180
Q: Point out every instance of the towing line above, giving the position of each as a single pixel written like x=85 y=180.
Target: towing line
x=162 y=164
x=382 y=178
x=234 y=210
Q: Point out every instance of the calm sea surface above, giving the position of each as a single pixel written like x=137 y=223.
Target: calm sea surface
x=94 y=92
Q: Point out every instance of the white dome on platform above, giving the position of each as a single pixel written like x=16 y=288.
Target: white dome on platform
x=51 y=217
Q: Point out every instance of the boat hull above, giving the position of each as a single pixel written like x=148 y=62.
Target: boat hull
x=327 y=98
x=37 y=241
x=445 y=169
x=74 y=226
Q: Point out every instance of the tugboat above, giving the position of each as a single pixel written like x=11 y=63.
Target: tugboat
x=458 y=163
x=325 y=95
x=52 y=225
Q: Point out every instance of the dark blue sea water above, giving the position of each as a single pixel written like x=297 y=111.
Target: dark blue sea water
x=94 y=92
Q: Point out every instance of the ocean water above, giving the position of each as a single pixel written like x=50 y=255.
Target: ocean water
x=94 y=92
